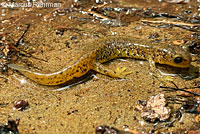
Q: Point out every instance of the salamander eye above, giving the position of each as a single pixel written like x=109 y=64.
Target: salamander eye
x=178 y=59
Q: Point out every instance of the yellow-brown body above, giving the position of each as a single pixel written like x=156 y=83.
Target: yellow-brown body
x=111 y=48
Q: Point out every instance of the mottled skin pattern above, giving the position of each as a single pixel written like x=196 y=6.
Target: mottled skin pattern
x=110 y=48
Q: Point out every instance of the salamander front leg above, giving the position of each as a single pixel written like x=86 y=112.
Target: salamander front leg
x=118 y=73
x=157 y=73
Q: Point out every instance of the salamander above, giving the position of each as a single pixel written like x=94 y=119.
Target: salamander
x=110 y=48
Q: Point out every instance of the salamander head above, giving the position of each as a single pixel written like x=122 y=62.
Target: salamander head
x=176 y=56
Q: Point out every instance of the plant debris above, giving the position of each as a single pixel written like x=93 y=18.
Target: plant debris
x=178 y=1
x=186 y=90
x=10 y=127
x=111 y=130
x=190 y=103
x=154 y=109
x=164 y=23
x=8 y=50
x=194 y=46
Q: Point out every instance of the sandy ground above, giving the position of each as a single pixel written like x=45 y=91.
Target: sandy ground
x=98 y=101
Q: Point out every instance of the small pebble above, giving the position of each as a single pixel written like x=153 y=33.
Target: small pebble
x=21 y=105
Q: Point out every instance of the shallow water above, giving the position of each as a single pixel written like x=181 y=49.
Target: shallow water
x=97 y=101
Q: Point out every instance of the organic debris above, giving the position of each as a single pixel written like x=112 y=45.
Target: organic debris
x=188 y=105
x=197 y=118
x=194 y=105
x=194 y=132
x=186 y=90
x=154 y=109
x=194 y=46
x=10 y=127
x=164 y=23
x=106 y=130
x=111 y=130
x=178 y=1
x=191 y=105
x=22 y=36
x=8 y=50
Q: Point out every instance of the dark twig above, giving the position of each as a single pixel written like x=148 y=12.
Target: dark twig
x=17 y=43
x=183 y=89
x=158 y=23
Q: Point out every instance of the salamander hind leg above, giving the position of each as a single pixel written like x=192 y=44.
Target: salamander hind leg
x=118 y=73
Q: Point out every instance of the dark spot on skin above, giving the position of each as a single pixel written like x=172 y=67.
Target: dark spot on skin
x=77 y=70
x=84 y=70
x=61 y=73
x=97 y=57
x=72 y=74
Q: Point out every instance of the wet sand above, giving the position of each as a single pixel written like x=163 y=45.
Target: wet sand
x=98 y=101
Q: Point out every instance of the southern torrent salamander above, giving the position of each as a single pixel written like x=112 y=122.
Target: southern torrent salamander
x=111 y=48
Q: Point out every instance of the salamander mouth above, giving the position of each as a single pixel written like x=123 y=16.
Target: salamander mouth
x=186 y=65
x=179 y=65
x=182 y=66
